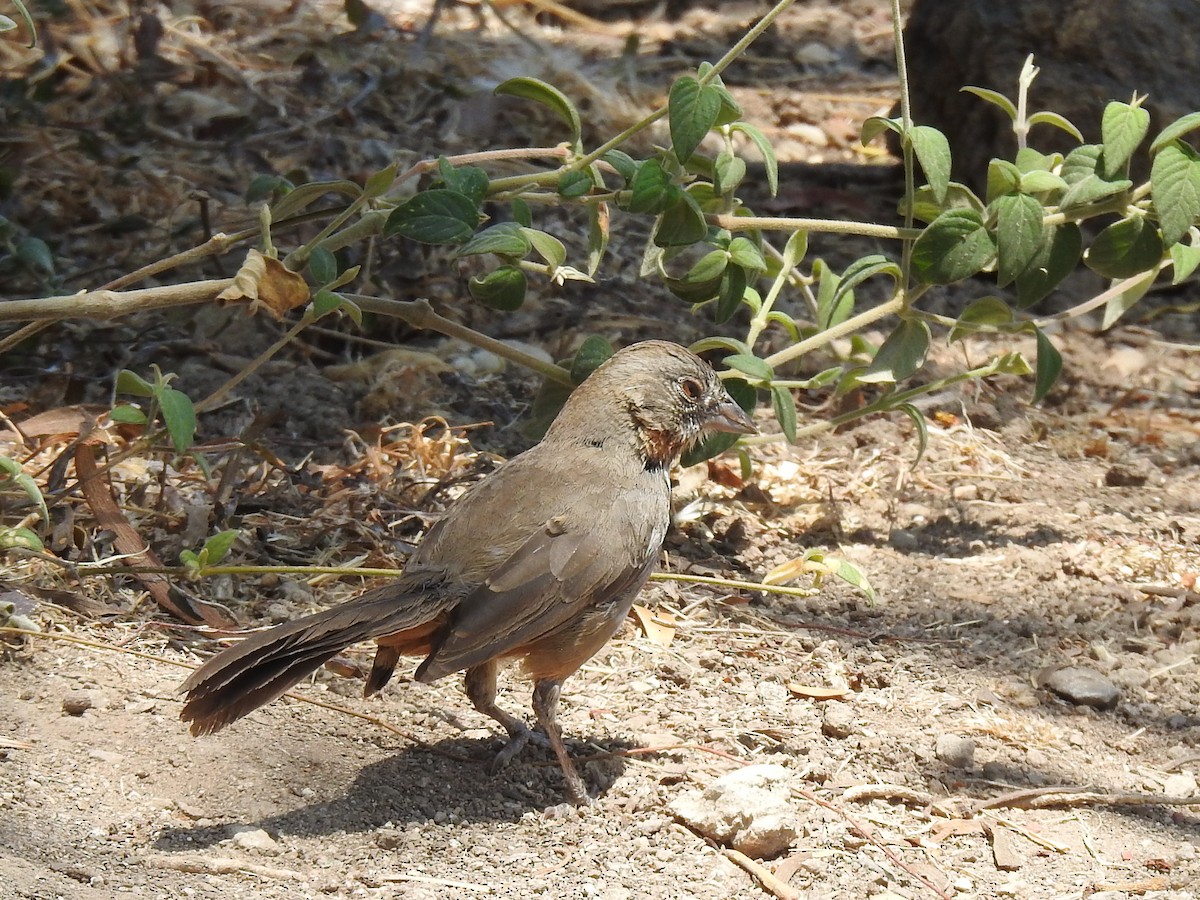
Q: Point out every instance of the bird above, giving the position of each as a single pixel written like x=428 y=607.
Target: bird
x=537 y=563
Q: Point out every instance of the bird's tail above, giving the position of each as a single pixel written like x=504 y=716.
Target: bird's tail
x=255 y=671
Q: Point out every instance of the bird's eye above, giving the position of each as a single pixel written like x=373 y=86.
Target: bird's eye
x=692 y=389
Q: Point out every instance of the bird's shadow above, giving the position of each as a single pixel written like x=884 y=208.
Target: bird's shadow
x=446 y=782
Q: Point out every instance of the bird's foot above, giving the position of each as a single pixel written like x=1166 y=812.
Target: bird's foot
x=517 y=739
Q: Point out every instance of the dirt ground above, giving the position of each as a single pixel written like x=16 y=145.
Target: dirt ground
x=1024 y=541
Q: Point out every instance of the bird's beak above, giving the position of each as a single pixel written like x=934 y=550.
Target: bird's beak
x=729 y=418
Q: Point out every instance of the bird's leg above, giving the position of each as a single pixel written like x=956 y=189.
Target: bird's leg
x=545 y=706
x=480 y=683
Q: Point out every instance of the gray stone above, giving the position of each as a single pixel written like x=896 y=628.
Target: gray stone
x=749 y=810
x=76 y=703
x=956 y=751
x=1081 y=686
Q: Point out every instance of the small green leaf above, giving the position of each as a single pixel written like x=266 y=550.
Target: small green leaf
x=1125 y=248
x=322 y=265
x=692 y=109
x=505 y=239
x=263 y=186
x=1184 y=260
x=25 y=482
x=592 y=352
x=574 y=184
x=503 y=289
x=35 y=253
x=874 y=126
x=933 y=153
x=833 y=305
x=1049 y=365
x=995 y=98
x=765 y=150
x=651 y=189
x=1081 y=162
x=751 y=365
x=625 y=164
x=1120 y=304
x=918 y=421
x=926 y=209
x=730 y=293
x=682 y=223
x=991 y=312
x=438 y=216
x=297 y=199
x=728 y=172
x=954 y=247
x=1175 y=130
x=1062 y=123
x=131 y=383
x=381 y=182
x=1029 y=160
x=180 y=417
x=747 y=398
x=470 y=181
x=19 y=537
x=1175 y=189
x=1018 y=235
x=703 y=281
x=218 y=546
x=1039 y=182
x=1092 y=189
x=900 y=355
x=1002 y=178
x=1057 y=257
x=127 y=414
x=784 y=404
x=862 y=269
x=549 y=96
x=1122 y=128
x=548 y=247
x=746 y=254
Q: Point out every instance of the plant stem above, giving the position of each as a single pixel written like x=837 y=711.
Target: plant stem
x=854 y=323
x=826 y=226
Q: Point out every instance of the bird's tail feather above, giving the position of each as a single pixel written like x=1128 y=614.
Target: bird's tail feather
x=255 y=671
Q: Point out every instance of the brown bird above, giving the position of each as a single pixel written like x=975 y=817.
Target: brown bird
x=538 y=562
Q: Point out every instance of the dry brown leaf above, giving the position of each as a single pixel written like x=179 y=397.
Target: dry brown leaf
x=658 y=626
x=67 y=421
x=818 y=692
x=266 y=282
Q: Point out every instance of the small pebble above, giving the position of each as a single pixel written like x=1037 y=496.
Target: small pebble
x=837 y=721
x=1181 y=785
x=76 y=703
x=1122 y=476
x=1081 y=686
x=956 y=751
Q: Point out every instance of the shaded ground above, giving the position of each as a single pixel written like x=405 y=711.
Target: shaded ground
x=1023 y=540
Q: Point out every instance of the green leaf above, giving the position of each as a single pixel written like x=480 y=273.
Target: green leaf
x=770 y=162
x=995 y=98
x=703 y=281
x=520 y=212
x=1175 y=189
x=625 y=164
x=731 y=293
x=19 y=537
x=874 y=126
x=719 y=342
x=833 y=305
x=746 y=254
x=1092 y=189
x=470 y=181
x=322 y=265
x=784 y=404
x=1125 y=248
x=954 y=247
x=745 y=396
x=381 y=182
x=573 y=185
x=1045 y=117
x=692 y=109
x=598 y=232
x=505 y=239
x=862 y=269
x=548 y=247
x=218 y=546
x=127 y=414
x=180 y=417
x=1049 y=365
x=651 y=189
x=1002 y=178
x=35 y=253
x=1081 y=162
x=549 y=96
x=295 y=200
x=933 y=153
x=1184 y=259
x=682 y=223
x=592 y=352
x=263 y=186
x=1175 y=130
x=131 y=383
x=900 y=355
x=1120 y=304
x=728 y=172
x=751 y=365
x=1122 y=128
x=1039 y=182
x=1029 y=160
x=438 y=216
x=926 y=209
x=918 y=421
x=503 y=289
x=1057 y=257
x=25 y=482
x=991 y=312
x=1018 y=235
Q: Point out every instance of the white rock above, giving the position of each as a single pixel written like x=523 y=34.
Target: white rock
x=750 y=810
x=254 y=839
x=1181 y=785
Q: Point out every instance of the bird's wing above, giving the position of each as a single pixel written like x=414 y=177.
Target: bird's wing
x=565 y=567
